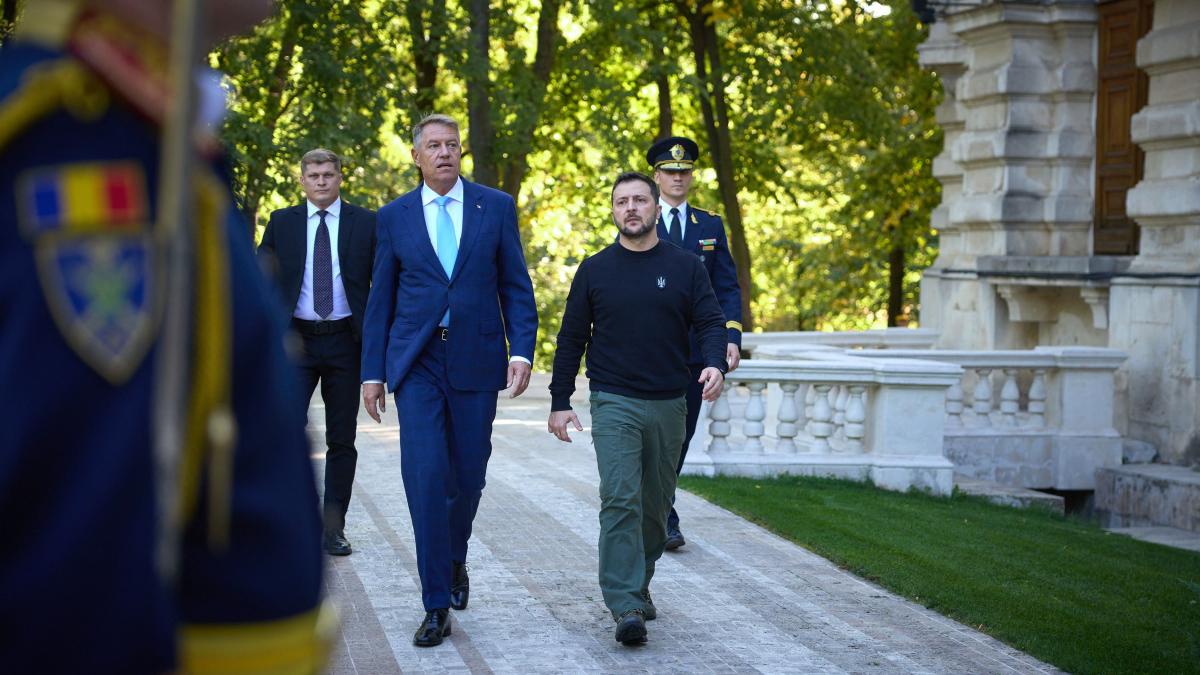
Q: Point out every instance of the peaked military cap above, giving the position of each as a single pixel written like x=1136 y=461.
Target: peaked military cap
x=673 y=153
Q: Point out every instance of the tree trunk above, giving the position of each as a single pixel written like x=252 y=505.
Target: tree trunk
x=273 y=106
x=479 y=102
x=8 y=17
x=548 y=35
x=666 y=118
x=895 y=285
x=707 y=53
x=426 y=49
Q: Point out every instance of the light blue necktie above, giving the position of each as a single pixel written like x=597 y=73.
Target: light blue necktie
x=447 y=244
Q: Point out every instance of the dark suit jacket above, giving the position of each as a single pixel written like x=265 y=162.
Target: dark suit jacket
x=284 y=250
x=489 y=293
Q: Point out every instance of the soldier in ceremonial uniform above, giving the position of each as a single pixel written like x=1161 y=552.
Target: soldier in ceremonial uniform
x=159 y=507
x=702 y=233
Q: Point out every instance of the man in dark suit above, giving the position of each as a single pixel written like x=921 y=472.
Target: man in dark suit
x=702 y=233
x=450 y=286
x=321 y=252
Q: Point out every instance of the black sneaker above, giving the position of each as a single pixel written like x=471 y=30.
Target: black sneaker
x=631 y=627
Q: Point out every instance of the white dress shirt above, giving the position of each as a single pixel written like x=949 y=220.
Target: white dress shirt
x=666 y=217
x=304 y=306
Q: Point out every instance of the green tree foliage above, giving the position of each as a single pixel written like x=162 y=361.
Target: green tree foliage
x=828 y=123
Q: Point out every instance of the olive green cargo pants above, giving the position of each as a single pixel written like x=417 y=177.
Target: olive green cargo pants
x=637 y=448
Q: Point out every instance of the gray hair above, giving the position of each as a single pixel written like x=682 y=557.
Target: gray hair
x=435 y=118
x=319 y=156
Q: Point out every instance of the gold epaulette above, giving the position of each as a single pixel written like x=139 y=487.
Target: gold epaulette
x=47 y=87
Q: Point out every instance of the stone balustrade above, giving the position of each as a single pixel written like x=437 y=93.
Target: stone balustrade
x=884 y=338
x=826 y=413
x=1040 y=418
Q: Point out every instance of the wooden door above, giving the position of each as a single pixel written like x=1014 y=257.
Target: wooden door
x=1121 y=93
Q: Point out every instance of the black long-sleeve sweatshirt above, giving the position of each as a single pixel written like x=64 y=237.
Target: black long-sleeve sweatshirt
x=632 y=312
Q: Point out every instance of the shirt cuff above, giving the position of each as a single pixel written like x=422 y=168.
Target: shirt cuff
x=522 y=359
x=372 y=381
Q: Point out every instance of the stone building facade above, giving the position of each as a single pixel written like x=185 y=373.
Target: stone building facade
x=1070 y=212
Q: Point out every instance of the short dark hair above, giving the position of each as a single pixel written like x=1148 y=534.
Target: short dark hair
x=632 y=176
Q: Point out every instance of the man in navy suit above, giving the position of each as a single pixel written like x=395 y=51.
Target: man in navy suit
x=702 y=233
x=321 y=254
x=450 y=321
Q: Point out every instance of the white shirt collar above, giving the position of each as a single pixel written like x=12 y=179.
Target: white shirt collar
x=455 y=193
x=335 y=209
x=666 y=210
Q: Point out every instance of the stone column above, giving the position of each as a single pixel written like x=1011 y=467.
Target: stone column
x=1024 y=149
x=1156 y=309
x=943 y=53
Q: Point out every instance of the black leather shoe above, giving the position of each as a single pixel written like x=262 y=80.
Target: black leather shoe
x=335 y=543
x=674 y=538
x=651 y=611
x=460 y=586
x=435 y=627
x=631 y=627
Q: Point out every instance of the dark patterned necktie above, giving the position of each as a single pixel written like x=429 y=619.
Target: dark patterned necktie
x=322 y=270
x=676 y=230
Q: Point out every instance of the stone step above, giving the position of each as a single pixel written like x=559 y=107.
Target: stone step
x=1137 y=495
x=1006 y=495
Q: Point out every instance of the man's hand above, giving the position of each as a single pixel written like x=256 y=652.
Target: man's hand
x=733 y=356
x=518 y=378
x=375 y=400
x=713 y=380
x=557 y=424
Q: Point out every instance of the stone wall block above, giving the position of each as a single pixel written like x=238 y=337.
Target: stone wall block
x=1168 y=48
x=1178 y=197
x=1166 y=122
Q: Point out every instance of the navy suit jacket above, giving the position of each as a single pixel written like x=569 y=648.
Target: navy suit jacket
x=705 y=236
x=488 y=293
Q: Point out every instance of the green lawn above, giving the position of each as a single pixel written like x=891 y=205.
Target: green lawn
x=1063 y=590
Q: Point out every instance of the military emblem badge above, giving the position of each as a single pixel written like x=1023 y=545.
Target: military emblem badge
x=92 y=235
x=677 y=151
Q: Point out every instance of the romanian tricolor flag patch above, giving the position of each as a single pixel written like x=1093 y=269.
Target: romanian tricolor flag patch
x=78 y=199
x=93 y=240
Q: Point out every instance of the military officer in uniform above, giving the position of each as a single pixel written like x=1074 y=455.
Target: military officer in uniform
x=160 y=513
x=702 y=233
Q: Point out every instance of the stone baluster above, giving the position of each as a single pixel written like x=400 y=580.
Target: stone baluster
x=840 y=396
x=1037 y=400
x=788 y=414
x=719 y=427
x=820 y=423
x=856 y=415
x=800 y=400
x=756 y=412
x=981 y=402
x=810 y=399
x=954 y=405
x=1009 y=398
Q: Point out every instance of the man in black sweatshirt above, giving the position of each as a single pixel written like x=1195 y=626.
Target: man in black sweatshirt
x=631 y=306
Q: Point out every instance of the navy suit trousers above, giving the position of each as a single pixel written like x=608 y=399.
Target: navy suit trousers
x=445 y=443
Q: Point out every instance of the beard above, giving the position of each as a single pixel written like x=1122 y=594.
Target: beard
x=635 y=229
